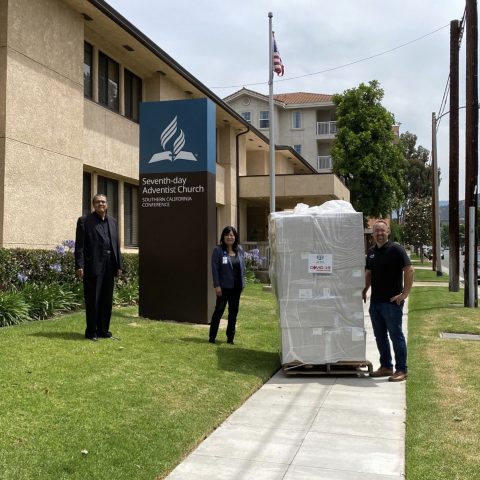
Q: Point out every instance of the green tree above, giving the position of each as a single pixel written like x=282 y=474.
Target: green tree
x=417 y=230
x=364 y=153
x=418 y=174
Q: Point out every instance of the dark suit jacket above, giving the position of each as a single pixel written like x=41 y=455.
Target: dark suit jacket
x=222 y=273
x=90 y=244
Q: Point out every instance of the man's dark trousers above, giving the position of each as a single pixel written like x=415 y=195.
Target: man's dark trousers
x=98 y=292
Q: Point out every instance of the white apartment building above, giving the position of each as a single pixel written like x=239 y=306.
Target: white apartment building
x=304 y=121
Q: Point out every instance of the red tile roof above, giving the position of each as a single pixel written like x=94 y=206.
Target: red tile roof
x=302 y=97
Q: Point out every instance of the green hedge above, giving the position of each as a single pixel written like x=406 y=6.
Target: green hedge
x=38 y=284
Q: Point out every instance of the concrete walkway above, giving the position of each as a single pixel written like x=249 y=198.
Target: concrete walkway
x=309 y=427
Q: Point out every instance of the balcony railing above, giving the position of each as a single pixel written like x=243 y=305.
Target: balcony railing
x=327 y=128
x=324 y=162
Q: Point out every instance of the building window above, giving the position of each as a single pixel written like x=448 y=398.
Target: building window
x=298 y=148
x=133 y=95
x=247 y=116
x=107 y=186
x=264 y=116
x=87 y=69
x=297 y=119
x=108 y=80
x=131 y=215
x=87 y=193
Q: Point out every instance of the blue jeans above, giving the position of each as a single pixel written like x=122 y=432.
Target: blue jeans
x=387 y=321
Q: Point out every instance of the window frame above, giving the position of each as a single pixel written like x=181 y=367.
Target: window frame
x=87 y=49
x=132 y=107
x=106 y=83
x=130 y=215
x=109 y=187
x=260 y=119
x=245 y=114
x=297 y=120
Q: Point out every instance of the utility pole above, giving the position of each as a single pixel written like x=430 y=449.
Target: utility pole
x=471 y=152
x=453 y=217
x=437 y=263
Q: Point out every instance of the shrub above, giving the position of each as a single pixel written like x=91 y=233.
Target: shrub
x=13 y=309
x=126 y=292
x=37 y=284
x=46 y=300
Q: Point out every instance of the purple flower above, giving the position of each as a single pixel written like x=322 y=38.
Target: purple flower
x=60 y=250
x=56 y=267
x=22 y=278
x=70 y=244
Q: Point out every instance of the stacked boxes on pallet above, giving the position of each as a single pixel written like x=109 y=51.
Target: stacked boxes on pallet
x=317 y=272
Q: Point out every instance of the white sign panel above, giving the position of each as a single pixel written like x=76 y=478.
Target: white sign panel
x=320 y=263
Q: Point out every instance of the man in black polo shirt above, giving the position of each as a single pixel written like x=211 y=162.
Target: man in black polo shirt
x=97 y=262
x=390 y=274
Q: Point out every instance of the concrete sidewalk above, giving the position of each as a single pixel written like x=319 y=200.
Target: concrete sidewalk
x=309 y=427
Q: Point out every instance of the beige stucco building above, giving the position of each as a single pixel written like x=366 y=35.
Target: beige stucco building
x=305 y=121
x=72 y=74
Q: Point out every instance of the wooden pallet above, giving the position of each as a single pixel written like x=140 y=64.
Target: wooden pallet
x=359 y=368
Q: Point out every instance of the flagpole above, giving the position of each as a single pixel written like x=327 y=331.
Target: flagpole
x=271 y=114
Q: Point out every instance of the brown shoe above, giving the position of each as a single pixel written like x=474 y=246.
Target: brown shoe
x=382 y=372
x=398 y=376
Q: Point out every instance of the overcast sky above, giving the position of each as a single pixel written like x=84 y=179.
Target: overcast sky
x=225 y=44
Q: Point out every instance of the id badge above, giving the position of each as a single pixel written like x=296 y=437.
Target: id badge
x=225 y=260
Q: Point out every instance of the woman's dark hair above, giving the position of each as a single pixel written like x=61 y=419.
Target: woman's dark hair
x=226 y=231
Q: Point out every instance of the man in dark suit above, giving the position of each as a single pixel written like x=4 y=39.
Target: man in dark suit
x=97 y=262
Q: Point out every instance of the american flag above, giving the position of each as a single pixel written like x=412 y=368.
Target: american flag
x=278 y=67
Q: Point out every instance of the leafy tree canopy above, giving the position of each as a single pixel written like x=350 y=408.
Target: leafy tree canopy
x=418 y=222
x=418 y=174
x=364 y=152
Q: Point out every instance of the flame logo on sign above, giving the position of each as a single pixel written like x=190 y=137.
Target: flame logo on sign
x=176 y=152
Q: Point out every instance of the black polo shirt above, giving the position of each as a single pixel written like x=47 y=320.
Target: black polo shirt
x=386 y=266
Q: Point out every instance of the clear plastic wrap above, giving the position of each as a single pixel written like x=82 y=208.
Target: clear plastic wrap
x=317 y=273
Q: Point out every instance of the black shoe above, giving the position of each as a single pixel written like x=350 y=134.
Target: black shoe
x=93 y=338
x=230 y=342
x=211 y=340
x=105 y=335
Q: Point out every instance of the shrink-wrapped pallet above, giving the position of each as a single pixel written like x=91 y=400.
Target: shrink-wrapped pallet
x=317 y=272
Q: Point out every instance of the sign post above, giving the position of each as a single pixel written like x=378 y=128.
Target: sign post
x=177 y=223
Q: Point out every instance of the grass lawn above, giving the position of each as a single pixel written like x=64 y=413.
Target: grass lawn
x=429 y=276
x=136 y=405
x=443 y=389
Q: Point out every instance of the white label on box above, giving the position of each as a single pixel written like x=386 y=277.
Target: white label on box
x=356 y=273
x=317 y=331
x=305 y=293
x=320 y=263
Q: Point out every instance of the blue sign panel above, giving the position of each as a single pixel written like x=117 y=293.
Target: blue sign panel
x=177 y=136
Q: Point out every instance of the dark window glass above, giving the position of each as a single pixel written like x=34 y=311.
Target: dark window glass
x=133 y=95
x=108 y=75
x=131 y=215
x=264 y=116
x=87 y=193
x=87 y=69
x=109 y=187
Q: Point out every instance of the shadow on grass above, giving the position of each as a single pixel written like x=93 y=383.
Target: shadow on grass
x=241 y=360
x=71 y=336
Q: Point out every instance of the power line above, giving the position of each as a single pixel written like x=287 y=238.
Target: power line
x=340 y=66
